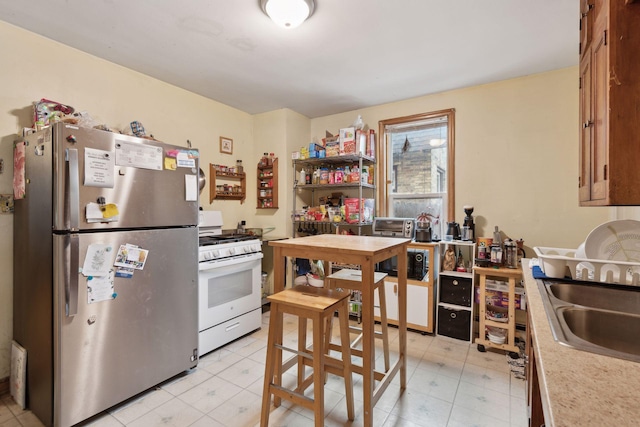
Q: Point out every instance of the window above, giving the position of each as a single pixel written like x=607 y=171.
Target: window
x=417 y=165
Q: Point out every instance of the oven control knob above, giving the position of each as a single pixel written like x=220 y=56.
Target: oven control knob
x=207 y=255
x=232 y=251
x=215 y=253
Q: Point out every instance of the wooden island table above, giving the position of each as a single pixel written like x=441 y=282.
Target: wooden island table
x=365 y=251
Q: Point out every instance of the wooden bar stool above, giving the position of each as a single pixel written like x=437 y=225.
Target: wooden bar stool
x=319 y=305
x=352 y=279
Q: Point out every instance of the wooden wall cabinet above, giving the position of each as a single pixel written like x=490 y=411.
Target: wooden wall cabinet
x=227 y=185
x=609 y=172
x=267 y=193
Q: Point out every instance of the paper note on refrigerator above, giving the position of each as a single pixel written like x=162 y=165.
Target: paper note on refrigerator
x=97 y=262
x=131 y=256
x=191 y=188
x=186 y=159
x=138 y=155
x=98 y=168
x=100 y=288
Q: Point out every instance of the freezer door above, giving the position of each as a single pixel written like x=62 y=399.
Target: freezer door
x=137 y=182
x=131 y=337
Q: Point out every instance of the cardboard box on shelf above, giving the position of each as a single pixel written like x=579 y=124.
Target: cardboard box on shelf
x=352 y=210
x=497 y=294
x=347 y=140
x=332 y=149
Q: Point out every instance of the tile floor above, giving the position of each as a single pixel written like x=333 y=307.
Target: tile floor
x=450 y=384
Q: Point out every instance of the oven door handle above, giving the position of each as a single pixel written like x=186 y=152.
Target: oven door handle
x=231 y=327
x=216 y=269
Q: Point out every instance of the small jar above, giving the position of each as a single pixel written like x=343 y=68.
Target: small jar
x=339 y=176
x=324 y=176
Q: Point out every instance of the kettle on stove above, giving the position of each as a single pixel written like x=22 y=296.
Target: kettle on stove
x=453 y=229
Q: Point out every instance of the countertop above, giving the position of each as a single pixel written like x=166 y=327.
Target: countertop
x=580 y=388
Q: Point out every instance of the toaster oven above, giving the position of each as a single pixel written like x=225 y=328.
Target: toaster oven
x=417 y=260
x=394 y=227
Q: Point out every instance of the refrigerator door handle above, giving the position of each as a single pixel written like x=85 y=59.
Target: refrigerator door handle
x=74 y=189
x=71 y=281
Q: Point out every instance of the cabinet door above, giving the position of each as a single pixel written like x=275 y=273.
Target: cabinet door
x=391 y=296
x=586 y=24
x=418 y=310
x=600 y=76
x=586 y=129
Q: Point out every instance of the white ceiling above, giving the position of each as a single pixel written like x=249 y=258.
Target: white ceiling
x=350 y=54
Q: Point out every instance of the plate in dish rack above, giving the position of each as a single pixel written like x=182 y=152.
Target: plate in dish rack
x=614 y=240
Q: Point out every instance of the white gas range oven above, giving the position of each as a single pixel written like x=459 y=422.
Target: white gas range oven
x=229 y=268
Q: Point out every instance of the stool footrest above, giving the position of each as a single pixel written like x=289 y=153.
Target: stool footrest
x=297 y=352
x=291 y=396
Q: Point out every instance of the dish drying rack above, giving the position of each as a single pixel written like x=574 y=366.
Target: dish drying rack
x=560 y=263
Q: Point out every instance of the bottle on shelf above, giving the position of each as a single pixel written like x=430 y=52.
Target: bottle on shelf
x=460 y=262
x=239 y=168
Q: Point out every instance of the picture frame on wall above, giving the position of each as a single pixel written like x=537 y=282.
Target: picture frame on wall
x=226 y=145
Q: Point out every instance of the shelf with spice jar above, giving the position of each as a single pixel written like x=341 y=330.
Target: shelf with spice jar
x=267 y=182
x=226 y=184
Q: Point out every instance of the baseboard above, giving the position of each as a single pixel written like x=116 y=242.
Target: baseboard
x=4 y=386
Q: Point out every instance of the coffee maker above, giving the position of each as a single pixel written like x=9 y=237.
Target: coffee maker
x=423 y=228
x=468 y=227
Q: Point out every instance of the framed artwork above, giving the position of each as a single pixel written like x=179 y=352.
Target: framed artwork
x=226 y=145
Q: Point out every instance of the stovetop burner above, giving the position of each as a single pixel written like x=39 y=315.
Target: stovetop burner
x=226 y=238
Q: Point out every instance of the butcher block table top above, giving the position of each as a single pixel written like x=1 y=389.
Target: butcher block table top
x=365 y=251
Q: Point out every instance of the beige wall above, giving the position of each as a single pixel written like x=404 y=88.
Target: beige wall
x=516 y=155
x=516 y=142
x=33 y=67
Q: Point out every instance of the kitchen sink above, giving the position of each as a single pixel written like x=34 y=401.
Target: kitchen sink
x=615 y=298
x=595 y=317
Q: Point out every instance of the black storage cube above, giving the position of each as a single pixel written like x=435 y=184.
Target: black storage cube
x=454 y=323
x=456 y=290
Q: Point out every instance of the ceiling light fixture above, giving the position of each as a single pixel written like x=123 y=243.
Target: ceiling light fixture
x=288 y=13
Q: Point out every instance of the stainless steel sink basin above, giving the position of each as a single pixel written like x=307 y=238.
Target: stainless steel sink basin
x=599 y=318
x=604 y=297
x=614 y=331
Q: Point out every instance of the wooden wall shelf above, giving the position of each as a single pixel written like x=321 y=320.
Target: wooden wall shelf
x=235 y=185
x=267 y=182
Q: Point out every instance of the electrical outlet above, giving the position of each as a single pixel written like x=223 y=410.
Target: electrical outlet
x=1 y=165
x=6 y=203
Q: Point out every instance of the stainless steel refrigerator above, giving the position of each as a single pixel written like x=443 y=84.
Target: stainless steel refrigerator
x=105 y=268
